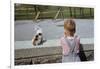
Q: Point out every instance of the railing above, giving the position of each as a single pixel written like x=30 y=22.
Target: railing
x=51 y=12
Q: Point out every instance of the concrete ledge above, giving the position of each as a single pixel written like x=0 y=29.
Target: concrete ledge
x=49 y=52
x=36 y=52
x=48 y=43
x=39 y=60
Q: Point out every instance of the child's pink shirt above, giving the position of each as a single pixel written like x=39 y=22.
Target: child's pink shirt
x=65 y=46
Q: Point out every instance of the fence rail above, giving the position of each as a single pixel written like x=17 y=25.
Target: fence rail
x=51 y=12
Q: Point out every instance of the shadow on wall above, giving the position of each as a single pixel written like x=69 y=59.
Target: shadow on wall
x=82 y=54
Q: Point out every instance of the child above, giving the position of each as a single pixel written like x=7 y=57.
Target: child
x=70 y=42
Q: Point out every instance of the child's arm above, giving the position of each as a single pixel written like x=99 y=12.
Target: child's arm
x=78 y=44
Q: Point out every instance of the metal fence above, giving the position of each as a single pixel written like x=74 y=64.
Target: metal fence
x=28 y=12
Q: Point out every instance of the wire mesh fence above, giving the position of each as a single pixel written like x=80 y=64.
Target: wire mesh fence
x=33 y=12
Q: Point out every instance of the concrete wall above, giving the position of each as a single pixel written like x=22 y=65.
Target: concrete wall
x=49 y=52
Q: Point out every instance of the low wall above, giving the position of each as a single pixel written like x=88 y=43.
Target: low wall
x=49 y=52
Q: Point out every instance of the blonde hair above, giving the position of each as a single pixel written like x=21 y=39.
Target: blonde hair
x=69 y=25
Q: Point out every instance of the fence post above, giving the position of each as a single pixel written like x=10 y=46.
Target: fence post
x=70 y=11
x=37 y=15
x=57 y=13
x=81 y=12
x=74 y=12
x=90 y=12
x=62 y=14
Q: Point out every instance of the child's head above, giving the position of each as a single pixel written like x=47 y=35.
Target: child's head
x=69 y=27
